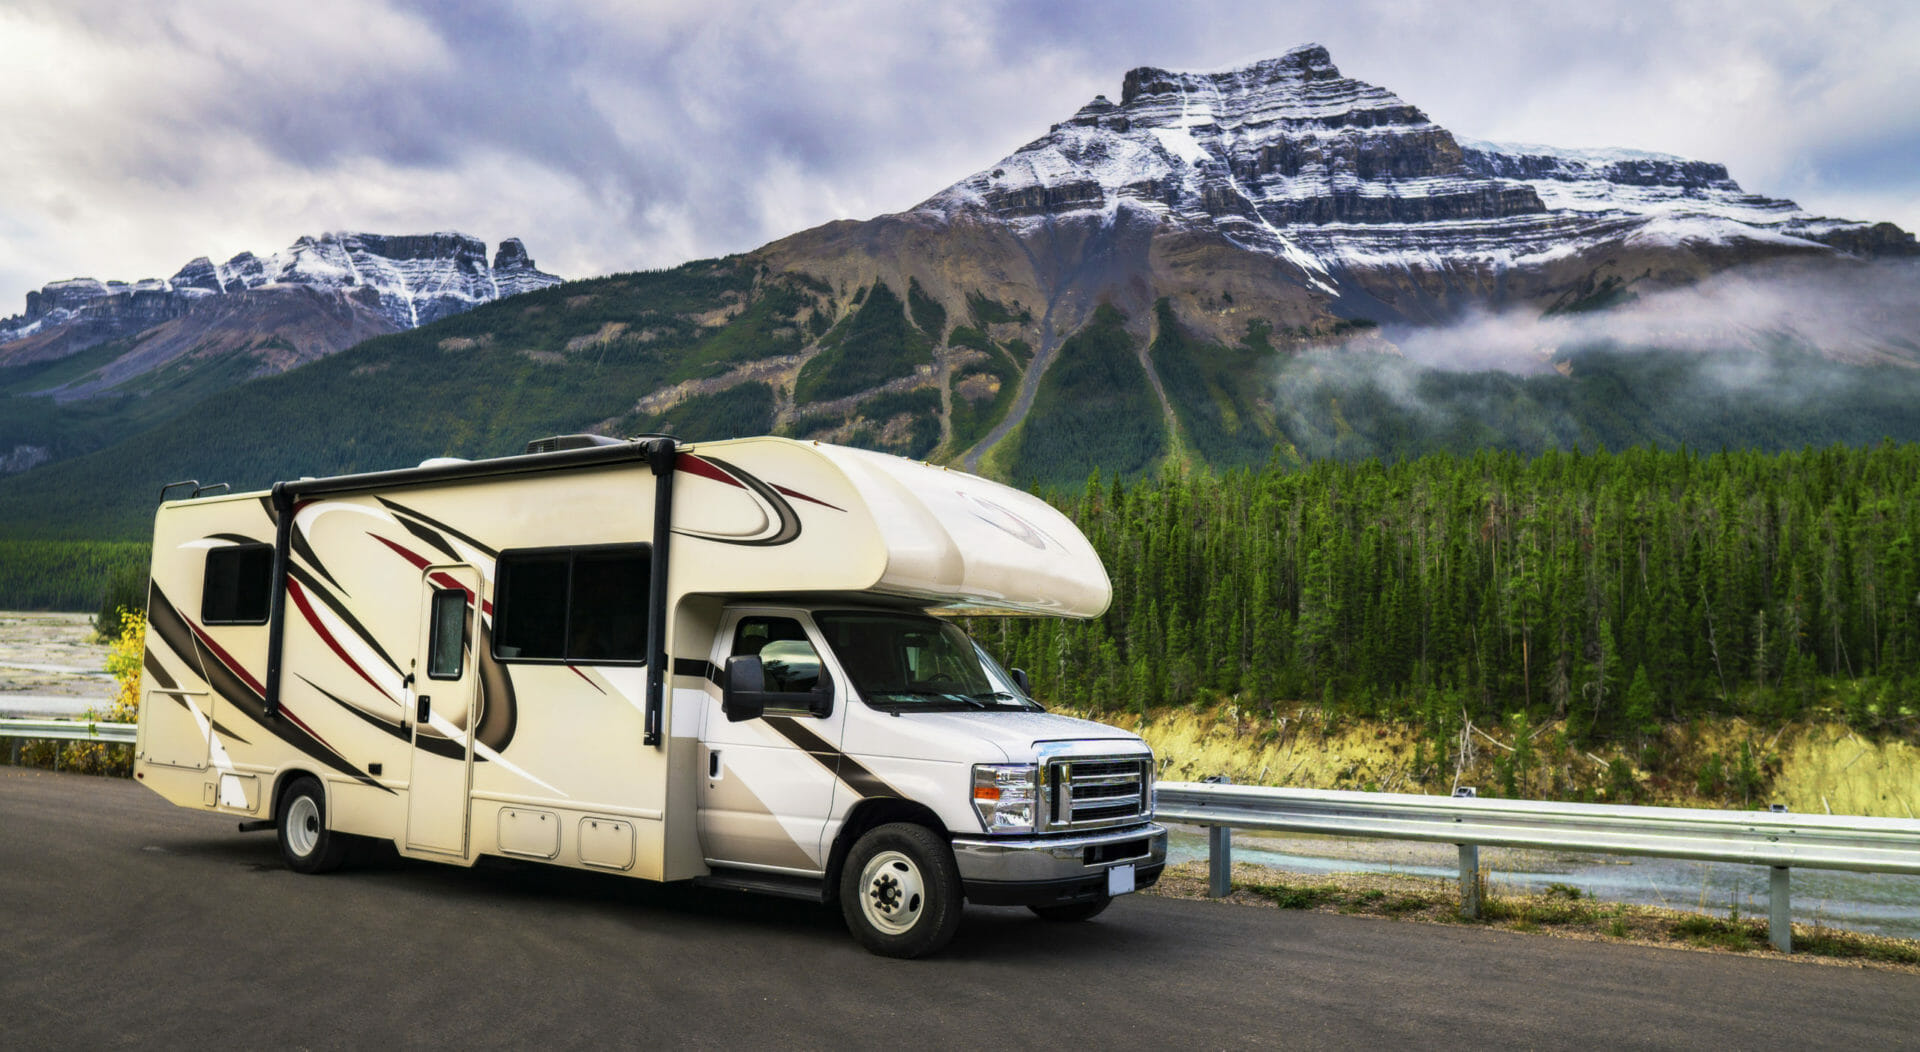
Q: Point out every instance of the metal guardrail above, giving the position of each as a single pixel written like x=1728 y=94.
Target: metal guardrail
x=1779 y=841
x=66 y=730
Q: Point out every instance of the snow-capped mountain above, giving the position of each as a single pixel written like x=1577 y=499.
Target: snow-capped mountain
x=1289 y=158
x=409 y=280
x=1679 y=197
x=1288 y=193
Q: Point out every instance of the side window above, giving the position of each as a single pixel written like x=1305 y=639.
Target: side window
x=790 y=662
x=447 y=637
x=585 y=605
x=530 y=606
x=238 y=586
x=607 y=612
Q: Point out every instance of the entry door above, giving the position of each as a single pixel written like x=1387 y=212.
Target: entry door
x=442 y=711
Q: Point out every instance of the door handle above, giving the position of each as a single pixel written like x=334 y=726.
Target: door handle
x=425 y=710
x=713 y=763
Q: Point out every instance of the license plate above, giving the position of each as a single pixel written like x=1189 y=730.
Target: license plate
x=1120 y=879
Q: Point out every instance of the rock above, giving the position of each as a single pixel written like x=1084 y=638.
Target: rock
x=514 y=271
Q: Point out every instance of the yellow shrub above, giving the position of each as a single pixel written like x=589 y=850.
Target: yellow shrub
x=124 y=661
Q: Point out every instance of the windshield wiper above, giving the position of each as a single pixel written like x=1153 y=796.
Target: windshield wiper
x=944 y=695
x=1001 y=695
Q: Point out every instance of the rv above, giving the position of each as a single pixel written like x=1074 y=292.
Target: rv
x=734 y=663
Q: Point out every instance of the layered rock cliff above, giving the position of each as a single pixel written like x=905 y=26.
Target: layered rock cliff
x=1291 y=158
x=1290 y=189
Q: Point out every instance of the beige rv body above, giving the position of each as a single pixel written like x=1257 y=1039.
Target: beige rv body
x=547 y=760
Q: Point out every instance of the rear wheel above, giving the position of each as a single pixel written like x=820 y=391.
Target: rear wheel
x=1074 y=911
x=305 y=841
x=900 y=891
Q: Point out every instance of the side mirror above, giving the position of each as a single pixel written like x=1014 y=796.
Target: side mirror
x=744 y=691
x=744 y=694
x=1020 y=680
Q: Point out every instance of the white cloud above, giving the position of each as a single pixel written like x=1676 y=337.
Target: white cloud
x=617 y=135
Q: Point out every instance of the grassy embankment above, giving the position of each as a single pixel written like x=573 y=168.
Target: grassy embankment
x=1814 y=766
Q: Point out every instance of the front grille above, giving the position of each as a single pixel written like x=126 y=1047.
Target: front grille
x=1097 y=791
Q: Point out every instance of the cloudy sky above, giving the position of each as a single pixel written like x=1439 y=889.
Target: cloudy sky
x=616 y=136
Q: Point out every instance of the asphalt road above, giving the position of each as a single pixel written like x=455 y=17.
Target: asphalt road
x=126 y=921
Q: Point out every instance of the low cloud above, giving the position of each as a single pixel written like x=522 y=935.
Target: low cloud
x=1855 y=313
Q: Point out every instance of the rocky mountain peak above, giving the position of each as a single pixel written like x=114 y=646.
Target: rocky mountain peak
x=513 y=269
x=512 y=254
x=408 y=279
x=1290 y=158
x=1304 y=64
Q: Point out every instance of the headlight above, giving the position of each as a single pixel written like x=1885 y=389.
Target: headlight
x=1003 y=794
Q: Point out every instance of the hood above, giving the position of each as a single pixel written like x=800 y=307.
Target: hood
x=1013 y=735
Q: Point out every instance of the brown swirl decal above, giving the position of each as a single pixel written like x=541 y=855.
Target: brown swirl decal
x=498 y=716
x=771 y=498
x=227 y=677
x=786 y=522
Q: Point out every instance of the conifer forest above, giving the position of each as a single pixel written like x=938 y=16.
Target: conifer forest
x=1611 y=590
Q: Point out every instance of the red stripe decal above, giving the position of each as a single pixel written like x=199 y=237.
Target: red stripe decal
x=226 y=659
x=446 y=581
x=693 y=465
x=810 y=500
x=306 y=609
x=418 y=562
x=583 y=675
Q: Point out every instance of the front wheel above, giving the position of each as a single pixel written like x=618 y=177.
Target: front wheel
x=1074 y=911
x=900 y=891
x=305 y=841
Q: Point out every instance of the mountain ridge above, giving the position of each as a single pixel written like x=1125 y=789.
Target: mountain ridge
x=383 y=282
x=1365 y=206
x=1222 y=268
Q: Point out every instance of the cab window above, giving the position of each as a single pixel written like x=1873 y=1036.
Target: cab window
x=788 y=658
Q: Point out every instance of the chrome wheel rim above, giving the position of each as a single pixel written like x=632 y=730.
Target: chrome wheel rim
x=303 y=825
x=892 y=893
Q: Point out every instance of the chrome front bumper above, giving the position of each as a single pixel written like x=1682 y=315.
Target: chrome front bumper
x=1016 y=871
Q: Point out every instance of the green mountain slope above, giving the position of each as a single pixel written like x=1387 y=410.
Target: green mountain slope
x=1094 y=409
x=478 y=384
x=730 y=347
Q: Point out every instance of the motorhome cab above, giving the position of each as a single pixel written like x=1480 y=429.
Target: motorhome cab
x=734 y=663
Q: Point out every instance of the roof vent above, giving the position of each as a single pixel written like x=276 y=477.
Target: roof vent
x=556 y=443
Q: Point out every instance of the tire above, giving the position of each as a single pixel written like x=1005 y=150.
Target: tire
x=306 y=843
x=900 y=891
x=1073 y=911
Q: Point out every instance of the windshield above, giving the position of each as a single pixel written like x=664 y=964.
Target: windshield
x=907 y=661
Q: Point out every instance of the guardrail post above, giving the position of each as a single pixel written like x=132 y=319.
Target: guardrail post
x=1219 y=861
x=1470 y=881
x=16 y=752
x=1780 y=909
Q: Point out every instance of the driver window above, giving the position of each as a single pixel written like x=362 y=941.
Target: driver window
x=788 y=658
